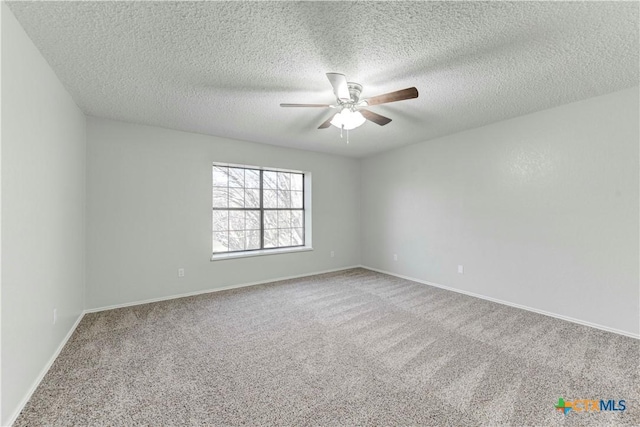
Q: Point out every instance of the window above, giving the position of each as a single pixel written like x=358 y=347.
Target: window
x=257 y=209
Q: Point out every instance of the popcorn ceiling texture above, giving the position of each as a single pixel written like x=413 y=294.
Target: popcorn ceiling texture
x=348 y=348
x=222 y=68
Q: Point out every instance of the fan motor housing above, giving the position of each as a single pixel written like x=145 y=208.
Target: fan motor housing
x=355 y=89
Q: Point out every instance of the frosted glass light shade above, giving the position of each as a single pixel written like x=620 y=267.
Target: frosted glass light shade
x=348 y=119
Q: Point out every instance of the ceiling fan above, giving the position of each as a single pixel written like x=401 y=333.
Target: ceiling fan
x=351 y=113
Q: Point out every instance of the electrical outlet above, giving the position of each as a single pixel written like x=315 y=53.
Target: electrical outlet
x=333 y=254
x=55 y=315
x=395 y=257
x=181 y=272
x=460 y=269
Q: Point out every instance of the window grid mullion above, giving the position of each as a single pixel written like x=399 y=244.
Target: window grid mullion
x=261 y=210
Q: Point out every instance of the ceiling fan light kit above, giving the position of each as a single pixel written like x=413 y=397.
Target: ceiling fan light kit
x=351 y=113
x=348 y=119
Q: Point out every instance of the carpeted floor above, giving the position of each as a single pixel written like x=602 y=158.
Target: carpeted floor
x=346 y=348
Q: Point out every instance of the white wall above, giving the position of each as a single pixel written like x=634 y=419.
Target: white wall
x=541 y=210
x=43 y=194
x=149 y=212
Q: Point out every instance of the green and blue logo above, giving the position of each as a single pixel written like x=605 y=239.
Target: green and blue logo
x=590 y=405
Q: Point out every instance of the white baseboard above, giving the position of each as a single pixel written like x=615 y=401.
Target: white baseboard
x=206 y=291
x=44 y=371
x=510 y=304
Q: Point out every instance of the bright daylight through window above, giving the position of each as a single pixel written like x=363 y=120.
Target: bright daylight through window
x=256 y=209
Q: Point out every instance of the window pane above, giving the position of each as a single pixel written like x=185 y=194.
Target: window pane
x=220 y=176
x=251 y=178
x=296 y=199
x=270 y=219
x=220 y=220
x=236 y=240
x=252 y=198
x=252 y=240
x=284 y=237
x=220 y=241
x=220 y=197
x=236 y=198
x=284 y=181
x=270 y=180
x=284 y=199
x=239 y=224
x=270 y=199
x=297 y=237
x=236 y=220
x=296 y=219
x=270 y=238
x=236 y=177
x=297 y=181
x=252 y=220
x=284 y=219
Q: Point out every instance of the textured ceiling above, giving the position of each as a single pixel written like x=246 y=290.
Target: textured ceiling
x=222 y=68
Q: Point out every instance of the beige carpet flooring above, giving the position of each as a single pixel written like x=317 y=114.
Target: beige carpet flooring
x=347 y=348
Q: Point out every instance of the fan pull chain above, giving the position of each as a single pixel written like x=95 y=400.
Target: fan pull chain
x=341 y=130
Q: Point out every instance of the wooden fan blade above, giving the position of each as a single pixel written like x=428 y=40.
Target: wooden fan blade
x=375 y=117
x=399 y=95
x=327 y=123
x=306 y=105
x=340 y=87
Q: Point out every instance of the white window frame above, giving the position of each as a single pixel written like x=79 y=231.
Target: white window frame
x=307 y=246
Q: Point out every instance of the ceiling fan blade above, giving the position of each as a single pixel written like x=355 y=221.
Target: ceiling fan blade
x=399 y=95
x=307 y=105
x=375 y=117
x=340 y=87
x=327 y=123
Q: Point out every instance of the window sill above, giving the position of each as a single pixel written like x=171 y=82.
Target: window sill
x=219 y=257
